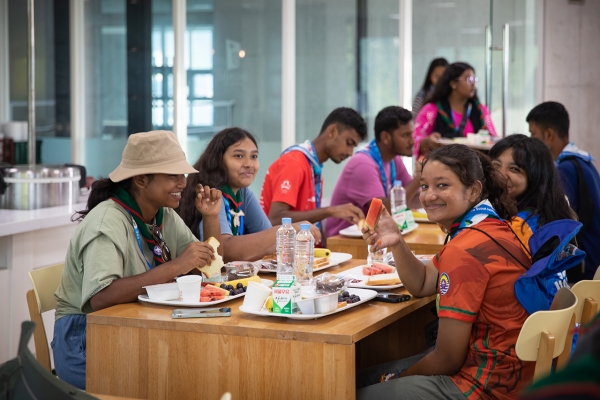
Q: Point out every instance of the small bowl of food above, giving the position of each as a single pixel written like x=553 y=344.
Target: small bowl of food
x=307 y=306
x=326 y=303
x=164 y=291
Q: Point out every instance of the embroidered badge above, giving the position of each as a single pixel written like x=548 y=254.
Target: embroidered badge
x=444 y=283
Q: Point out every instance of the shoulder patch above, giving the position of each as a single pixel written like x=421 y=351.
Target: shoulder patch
x=444 y=284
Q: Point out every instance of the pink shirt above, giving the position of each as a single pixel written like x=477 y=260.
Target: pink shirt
x=359 y=182
x=425 y=121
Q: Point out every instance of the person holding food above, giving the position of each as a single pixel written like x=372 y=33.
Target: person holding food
x=230 y=162
x=374 y=169
x=452 y=110
x=473 y=277
x=129 y=237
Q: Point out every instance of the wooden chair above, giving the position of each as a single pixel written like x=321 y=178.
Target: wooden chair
x=45 y=281
x=546 y=335
x=588 y=296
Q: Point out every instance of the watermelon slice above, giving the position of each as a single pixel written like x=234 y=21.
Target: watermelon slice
x=374 y=213
x=377 y=269
x=211 y=291
x=214 y=297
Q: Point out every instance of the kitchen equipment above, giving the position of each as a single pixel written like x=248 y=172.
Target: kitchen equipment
x=30 y=187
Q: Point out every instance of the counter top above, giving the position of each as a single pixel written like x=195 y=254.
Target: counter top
x=19 y=221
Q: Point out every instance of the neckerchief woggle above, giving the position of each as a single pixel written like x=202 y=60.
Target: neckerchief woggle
x=233 y=205
x=373 y=151
x=310 y=153
x=124 y=199
x=472 y=217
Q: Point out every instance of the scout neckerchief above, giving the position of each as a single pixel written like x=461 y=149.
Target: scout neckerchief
x=310 y=153
x=373 y=151
x=472 y=217
x=124 y=199
x=448 y=128
x=233 y=209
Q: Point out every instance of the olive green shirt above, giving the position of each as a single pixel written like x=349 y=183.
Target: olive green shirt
x=104 y=248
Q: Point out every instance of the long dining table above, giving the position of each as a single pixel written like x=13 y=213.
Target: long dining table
x=427 y=238
x=138 y=350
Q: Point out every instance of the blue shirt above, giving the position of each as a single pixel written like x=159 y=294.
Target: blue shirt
x=255 y=219
x=588 y=240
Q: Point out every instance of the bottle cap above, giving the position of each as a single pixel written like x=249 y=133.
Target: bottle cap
x=397 y=183
x=304 y=227
x=286 y=221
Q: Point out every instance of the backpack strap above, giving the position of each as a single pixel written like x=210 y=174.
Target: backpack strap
x=586 y=208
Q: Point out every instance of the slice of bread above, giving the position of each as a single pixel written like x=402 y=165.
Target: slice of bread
x=215 y=267
x=384 y=279
x=360 y=224
x=320 y=262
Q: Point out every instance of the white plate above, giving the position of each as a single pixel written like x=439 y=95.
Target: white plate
x=178 y=303
x=356 y=273
x=353 y=231
x=364 y=294
x=334 y=259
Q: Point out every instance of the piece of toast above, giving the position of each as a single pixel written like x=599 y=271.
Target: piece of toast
x=215 y=267
x=384 y=279
x=320 y=262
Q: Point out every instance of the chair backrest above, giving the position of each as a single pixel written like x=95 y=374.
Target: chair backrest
x=588 y=296
x=45 y=281
x=24 y=378
x=544 y=334
x=597 y=275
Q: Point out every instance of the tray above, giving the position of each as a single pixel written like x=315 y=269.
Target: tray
x=364 y=294
x=178 y=303
x=334 y=259
x=353 y=231
x=356 y=273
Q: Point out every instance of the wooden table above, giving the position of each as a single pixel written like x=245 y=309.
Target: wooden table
x=137 y=350
x=428 y=238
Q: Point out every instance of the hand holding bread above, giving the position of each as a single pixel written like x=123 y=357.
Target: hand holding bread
x=196 y=255
x=214 y=267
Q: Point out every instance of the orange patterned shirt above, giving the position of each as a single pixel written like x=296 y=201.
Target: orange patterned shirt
x=476 y=285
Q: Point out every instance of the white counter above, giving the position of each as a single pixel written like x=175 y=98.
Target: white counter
x=28 y=240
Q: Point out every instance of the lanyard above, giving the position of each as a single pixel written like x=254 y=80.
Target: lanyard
x=230 y=219
x=139 y=239
x=316 y=177
x=461 y=127
x=373 y=151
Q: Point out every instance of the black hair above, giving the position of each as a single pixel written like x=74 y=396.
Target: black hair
x=544 y=193
x=390 y=119
x=103 y=189
x=344 y=118
x=551 y=114
x=442 y=88
x=436 y=62
x=470 y=166
x=211 y=172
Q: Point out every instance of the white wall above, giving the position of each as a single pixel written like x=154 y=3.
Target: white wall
x=571 y=65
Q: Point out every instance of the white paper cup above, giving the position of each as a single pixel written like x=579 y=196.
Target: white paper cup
x=255 y=297
x=307 y=306
x=189 y=288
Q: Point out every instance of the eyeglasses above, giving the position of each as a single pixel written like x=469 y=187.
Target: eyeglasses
x=162 y=250
x=472 y=79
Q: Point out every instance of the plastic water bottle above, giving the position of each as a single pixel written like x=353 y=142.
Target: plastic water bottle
x=304 y=255
x=398 y=204
x=286 y=244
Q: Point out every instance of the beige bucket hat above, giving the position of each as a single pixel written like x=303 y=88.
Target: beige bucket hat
x=155 y=152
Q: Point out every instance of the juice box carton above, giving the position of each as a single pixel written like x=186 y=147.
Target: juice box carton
x=286 y=292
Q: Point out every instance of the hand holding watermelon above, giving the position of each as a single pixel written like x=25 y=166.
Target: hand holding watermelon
x=385 y=234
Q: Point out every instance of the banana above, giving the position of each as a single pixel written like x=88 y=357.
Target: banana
x=322 y=252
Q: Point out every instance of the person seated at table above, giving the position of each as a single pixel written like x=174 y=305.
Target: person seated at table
x=549 y=122
x=230 y=162
x=452 y=110
x=371 y=172
x=129 y=237
x=435 y=70
x=293 y=186
x=473 y=277
x=533 y=184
